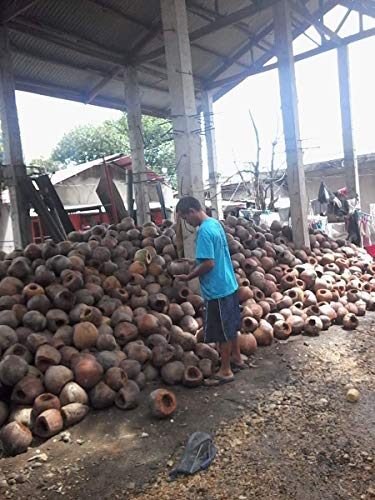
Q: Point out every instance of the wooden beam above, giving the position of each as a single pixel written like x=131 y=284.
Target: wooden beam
x=220 y=23
x=7 y=16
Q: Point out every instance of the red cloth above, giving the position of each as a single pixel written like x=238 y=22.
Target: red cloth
x=371 y=250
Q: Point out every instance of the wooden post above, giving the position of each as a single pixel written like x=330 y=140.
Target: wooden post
x=134 y=115
x=209 y=129
x=186 y=126
x=350 y=158
x=289 y=107
x=13 y=157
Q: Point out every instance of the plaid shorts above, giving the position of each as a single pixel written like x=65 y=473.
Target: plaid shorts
x=221 y=319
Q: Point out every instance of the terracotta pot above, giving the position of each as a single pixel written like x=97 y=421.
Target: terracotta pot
x=249 y=324
x=26 y=390
x=190 y=359
x=131 y=367
x=128 y=396
x=115 y=378
x=102 y=396
x=162 y=403
x=45 y=401
x=46 y=356
x=73 y=413
x=313 y=326
x=162 y=354
x=125 y=332
x=205 y=351
x=85 y=335
x=73 y=393
x=248 y=343
x=296 y=323
x=87 y=372
x=185 y=339
x=56 y=377
x=264 y=333
x=15 y=438
x=56 y=319
x=32 y=290
x=12 y=369
x=189 y=324
x=350 y=322
x=175 y=312
x=192 y=377
x=138 y=351
x=49 y=423
x=173 y=372
x=282 y=330
x=179 y=266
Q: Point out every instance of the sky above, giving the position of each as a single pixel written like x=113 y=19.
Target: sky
x=44 y=120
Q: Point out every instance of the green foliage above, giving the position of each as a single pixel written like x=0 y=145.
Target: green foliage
x=89 y=142
x=42 y=165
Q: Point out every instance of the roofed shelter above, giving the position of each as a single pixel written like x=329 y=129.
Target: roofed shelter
x=168 y=58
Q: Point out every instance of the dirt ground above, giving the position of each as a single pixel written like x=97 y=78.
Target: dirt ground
x=284 y=430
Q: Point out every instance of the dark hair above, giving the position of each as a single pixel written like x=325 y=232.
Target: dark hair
x=186 y=203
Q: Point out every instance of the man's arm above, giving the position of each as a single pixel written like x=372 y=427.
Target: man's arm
x=203 y=268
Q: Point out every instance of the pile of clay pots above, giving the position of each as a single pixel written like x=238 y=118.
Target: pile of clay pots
x=89 y=321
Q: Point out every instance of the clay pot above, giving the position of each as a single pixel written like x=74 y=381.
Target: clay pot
x=248 y=343
x=205 y=351
x=56 y=377
x=143 y=256
x=264 y=333
x=12 y=370
x=27 y=389
x=179 y=266
x=49 y=423
x=192 y=377
x=46 y=356
x=158 y=302
x=73 y=413
x=138 y=351
x=189 y=324
x=206 y=367
x=87 y=372
x=296 y=323
x=313 y=326
x=162 y=354
x=172 y=373
x=56 y=319
x=148 y=324
x=15 y=438
x=34 y=320
x=85 y=335
x=131 y=367
x=175 y=312
x=102 y=396
x=128 y=396
x=125 y=332
x=162 y=403
x=249 y=324
x=73 y=393
x=115 y=378
x=282 y=330
x=186 y=340
x=350 y=322
x=106 y=342
x=45 y=401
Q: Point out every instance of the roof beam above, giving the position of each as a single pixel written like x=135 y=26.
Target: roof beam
x=119 y=13
x=95 y=90
x=67 y=40
x=240 y=52
x=304 y=13
x=330 y=45
x=49 y=89
x=220 y=23
x=10 y=15
x=363 y=7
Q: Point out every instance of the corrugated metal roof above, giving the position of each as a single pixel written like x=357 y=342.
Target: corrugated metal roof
x=65 y=48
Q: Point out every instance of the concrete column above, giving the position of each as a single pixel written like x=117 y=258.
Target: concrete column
x=186 y=125
x=13 y=156
x=350 y=158
x=289 y=107
x=134 y=116
x=209 y=127
x=183 y=106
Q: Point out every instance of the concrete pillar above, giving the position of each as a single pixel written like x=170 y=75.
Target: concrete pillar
x=209 y=128
x=186 y=125
x=289 y=107
x=134 y=116
x=350 y=158
x=13 y=156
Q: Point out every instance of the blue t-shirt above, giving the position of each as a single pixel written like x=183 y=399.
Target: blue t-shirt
x=212 y=244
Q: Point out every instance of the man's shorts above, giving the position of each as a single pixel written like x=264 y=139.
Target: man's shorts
x=221 y=319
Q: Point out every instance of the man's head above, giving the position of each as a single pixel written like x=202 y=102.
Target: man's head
x=189 y=209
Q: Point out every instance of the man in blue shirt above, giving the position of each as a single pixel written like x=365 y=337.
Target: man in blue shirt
x=221 y=314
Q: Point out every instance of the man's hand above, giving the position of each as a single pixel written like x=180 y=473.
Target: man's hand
x=182 y=277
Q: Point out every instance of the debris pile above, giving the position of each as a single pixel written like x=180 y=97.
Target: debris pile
x=89 y=321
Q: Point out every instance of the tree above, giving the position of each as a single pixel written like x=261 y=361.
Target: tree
x=42 y=165
x=89 y=142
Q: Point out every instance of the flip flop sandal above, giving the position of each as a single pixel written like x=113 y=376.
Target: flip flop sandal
x=216 y=380
x=237 y=367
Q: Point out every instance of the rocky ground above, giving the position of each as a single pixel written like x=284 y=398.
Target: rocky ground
x=284 y=430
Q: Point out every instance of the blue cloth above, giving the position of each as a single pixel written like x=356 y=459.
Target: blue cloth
x=212 y=244
x=221 y=319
